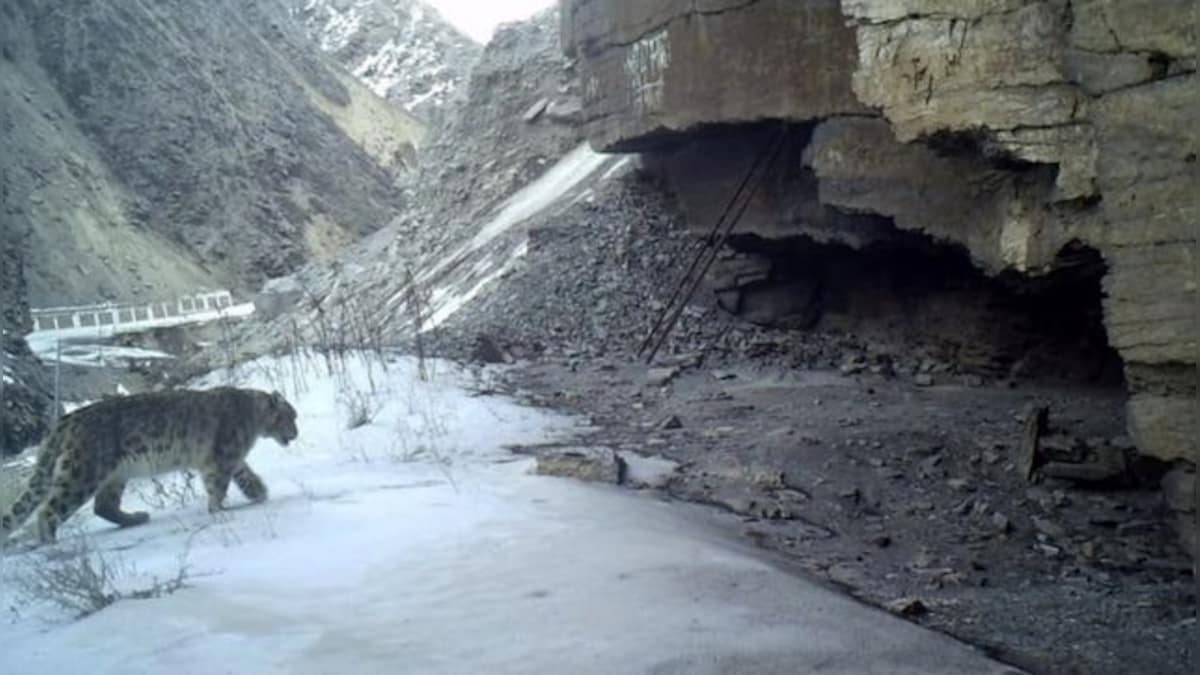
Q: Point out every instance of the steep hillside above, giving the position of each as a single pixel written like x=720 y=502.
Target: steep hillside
x=402 y=49
x=152 y=148
x=521 y=119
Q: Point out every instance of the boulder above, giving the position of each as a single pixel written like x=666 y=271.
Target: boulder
x=1179 y=489
x=593 y=465
x=647 y=471
x=661 y=377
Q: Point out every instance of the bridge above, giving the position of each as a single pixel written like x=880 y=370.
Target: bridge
x=108 y=319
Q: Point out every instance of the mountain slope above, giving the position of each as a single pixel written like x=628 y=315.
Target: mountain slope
x=154 y=147
x=483 y=178
x=402 y=49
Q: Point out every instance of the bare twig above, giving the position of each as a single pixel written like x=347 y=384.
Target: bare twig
x=81 y=580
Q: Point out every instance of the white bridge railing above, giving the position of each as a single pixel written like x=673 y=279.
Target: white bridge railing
x=108 y=319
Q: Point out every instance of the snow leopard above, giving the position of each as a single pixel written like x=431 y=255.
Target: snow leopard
x=95 y=450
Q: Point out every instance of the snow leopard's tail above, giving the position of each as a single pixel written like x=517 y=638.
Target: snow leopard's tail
x=31 y=495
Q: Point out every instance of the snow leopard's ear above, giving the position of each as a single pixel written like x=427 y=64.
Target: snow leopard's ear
x=277 y=400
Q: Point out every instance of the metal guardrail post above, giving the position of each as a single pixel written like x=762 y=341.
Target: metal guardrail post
x=1196 y=419
x=57 y=381
x=3 y=368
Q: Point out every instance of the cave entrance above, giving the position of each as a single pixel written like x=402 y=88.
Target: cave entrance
x=926 y=306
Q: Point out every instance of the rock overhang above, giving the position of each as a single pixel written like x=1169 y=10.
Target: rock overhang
x=1081 y=117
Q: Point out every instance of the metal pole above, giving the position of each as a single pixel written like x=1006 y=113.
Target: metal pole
x=57 y=380
x=709 y=255
x=1195 y=430
x=710 y=241
x=5 y=224
x=1196 y=418
x=414 y=301
x=3 y=375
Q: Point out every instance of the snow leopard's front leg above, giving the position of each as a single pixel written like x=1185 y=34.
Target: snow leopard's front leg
x=216 y=482
x=250 y=483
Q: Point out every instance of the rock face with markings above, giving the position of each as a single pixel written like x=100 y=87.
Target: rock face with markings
x=650 y=69
x=1028 y=132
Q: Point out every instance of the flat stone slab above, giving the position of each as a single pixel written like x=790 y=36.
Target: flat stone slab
x=592 y=465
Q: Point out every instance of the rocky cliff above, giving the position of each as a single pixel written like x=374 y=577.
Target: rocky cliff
x=1034 y=134
x=25 y=399
x=402 y=49
x=156 y=148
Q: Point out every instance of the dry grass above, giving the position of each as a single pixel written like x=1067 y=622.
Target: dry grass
x=77 y=578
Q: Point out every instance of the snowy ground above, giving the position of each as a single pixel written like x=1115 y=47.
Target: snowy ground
x=416 y=544
x=90 y=355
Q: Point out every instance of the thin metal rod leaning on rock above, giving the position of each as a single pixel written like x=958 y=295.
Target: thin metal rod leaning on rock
x=754 y=178
x=1036 y=419
x=712 y=236
x=1195 y=436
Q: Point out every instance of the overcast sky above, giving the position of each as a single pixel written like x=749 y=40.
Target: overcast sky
x=478 y=18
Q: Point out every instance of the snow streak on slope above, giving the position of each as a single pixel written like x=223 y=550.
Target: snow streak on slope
x=459 y=276
x=415 y=544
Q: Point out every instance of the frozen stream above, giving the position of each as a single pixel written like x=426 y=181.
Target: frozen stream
x=416 y=544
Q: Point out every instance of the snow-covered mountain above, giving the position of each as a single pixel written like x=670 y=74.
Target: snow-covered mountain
x=402 y=49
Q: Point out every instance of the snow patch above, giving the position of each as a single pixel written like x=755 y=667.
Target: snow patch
x=643 y=471
x=98 y=355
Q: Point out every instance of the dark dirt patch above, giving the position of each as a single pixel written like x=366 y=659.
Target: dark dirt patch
x=893 y=491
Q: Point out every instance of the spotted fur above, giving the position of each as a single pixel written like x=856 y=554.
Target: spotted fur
x=94 y=451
